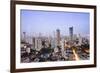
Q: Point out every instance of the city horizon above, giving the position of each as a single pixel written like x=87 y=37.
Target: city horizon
x=37 y=34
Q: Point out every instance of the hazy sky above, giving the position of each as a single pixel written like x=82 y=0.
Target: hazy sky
x=47 y=22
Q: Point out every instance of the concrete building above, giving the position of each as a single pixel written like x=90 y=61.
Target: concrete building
x=58 y=37
x=38 y=44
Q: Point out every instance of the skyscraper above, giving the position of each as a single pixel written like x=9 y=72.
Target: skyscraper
x=33 y=39
x=58 y=37
x=24 y=36
x=71 y=33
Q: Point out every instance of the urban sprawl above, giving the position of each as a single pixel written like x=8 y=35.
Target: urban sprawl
x=54 y=48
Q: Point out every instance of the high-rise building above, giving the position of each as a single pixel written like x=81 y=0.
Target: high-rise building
x=71 y=33
x=24 y=36
x=80 y=39
x=58 y=37
x=38 y=43
x=33 y=42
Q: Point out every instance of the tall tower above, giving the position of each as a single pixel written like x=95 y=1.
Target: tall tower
x=33 y=39
x=71 y=33
x=24 y=36
x=58 y=37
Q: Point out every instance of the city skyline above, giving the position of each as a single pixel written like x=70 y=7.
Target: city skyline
x=68 y=42
x=47 y=22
